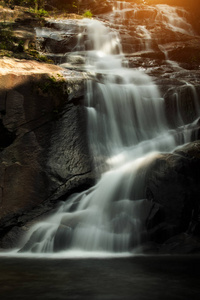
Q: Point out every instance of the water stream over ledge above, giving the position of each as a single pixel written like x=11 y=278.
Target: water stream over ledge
x=127 y=128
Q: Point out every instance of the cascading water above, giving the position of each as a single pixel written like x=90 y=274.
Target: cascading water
x=173 y=18
x=126 y=128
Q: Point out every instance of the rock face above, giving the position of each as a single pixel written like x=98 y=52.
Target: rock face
x=43 y=147
x=149 y=31
x=172 y=184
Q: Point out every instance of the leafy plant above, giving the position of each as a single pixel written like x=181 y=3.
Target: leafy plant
x=87 y=14
x=42 y=13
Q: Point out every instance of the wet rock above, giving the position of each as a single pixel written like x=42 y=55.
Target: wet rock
x=66 y=44
x=187 y=51
x=58 y=39
x=182 y=105
x=172 y=183
x=62 y=239
x=181 y=244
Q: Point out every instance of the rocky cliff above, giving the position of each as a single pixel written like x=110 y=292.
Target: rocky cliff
x=44 y=151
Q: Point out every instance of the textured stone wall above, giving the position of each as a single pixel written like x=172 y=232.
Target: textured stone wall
x=45 y=155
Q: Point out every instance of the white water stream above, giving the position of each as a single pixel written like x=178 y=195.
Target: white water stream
x=126 y=129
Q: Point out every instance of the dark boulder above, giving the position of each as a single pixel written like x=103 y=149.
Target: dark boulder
x=181 y=244
x=172 y=185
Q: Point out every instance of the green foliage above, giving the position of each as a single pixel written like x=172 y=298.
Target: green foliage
x=41 y=13
x=74 y=4
x=35 y=55
x=12 y=3
x=69 y=6
x=9 y=42
x=41 y=7
x=6 y=39
x=87 y=14
x=12 y=46
x=37 y=4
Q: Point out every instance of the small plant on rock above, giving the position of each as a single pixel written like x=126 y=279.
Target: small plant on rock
x=87 y=14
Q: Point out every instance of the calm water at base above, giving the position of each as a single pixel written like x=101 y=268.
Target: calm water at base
x=137 y=278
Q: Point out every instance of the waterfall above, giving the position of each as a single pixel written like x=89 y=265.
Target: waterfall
x=173 y=18
x=126 y=130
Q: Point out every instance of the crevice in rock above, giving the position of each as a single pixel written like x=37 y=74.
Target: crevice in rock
x=77 y=101
x=81 y=187
x=6 y=137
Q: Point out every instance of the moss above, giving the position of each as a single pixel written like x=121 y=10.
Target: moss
x=6 y=38
x=34 y=54
x=50 y=90
x=12 y=46
x=53 y=86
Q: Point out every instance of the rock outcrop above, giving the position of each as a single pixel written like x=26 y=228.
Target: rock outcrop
x=172 y=187
x=44 y=151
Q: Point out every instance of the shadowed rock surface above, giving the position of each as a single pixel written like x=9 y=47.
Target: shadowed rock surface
x=172 y=183
x=44 y=154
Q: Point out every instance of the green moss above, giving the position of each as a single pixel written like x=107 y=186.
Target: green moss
x=53 y=86
x=52 y=90
x=40 y=13
x=9 y=42
x=12 y=46
x=34 y=54
x=6 y=38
